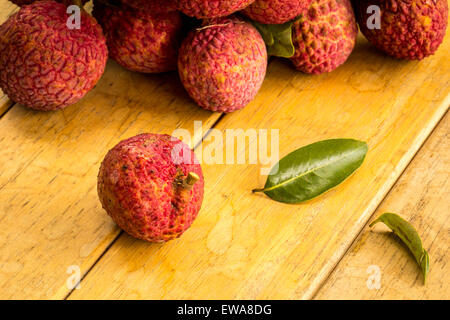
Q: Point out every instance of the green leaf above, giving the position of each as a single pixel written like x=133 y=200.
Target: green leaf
x=312 y=170
x=278 y=38
x=406 y=232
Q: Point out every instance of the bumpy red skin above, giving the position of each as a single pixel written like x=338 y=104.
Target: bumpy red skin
x=141 y=41
x=223 y=65
x=152 y=6
x=410 y=29
x=275 y=11
x=138 y=187
x=202 y=9
x=43 y=64
x=324 y=36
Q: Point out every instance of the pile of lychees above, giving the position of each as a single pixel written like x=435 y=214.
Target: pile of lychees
x=220 y=49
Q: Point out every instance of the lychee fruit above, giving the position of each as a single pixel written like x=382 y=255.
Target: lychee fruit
x=152 y=186
x=152 y=6
x=324 y=36
x=407 y=29
x=202 y=9
x=141 y=41
x=45 y=65
x=275 y=11
x=223 y=64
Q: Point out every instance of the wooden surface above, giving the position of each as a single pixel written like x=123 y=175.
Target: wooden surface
x=242 y=245
x=247 y=246
x=50 y=217
x=421 y=197
x=50 y=213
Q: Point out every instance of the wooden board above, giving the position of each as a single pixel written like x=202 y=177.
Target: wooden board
x=422 y=197
x=248 y=246
x=50 y=216
x=6 y=9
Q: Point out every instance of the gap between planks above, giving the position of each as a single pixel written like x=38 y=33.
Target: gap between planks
x=5 y=105
x=315 y=290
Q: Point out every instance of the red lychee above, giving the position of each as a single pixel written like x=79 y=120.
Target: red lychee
x=409 y=29
x=45 y=65
x=139 y=40
x=275 y=11
x=223 y=64
x=324 y=36
x=202 y=9
x=152 y=186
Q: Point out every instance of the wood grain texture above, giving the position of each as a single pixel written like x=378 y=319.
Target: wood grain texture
x=248 y=246
x=421 y=196
x=50 y=216
x=6 y=9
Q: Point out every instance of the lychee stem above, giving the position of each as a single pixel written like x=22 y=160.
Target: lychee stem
x=191 y=179
x=213 y=26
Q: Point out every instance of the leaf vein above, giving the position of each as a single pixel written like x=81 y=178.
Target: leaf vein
x=313 y=170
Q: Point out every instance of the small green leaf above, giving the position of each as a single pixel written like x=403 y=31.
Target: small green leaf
x=406 y=232
x=278 y=38
x=312 y=170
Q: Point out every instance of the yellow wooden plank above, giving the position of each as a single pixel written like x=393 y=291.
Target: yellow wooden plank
x=50 y=217
x=49 y=163
x=6 y=9
x=248 y=246
x=422 y=197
